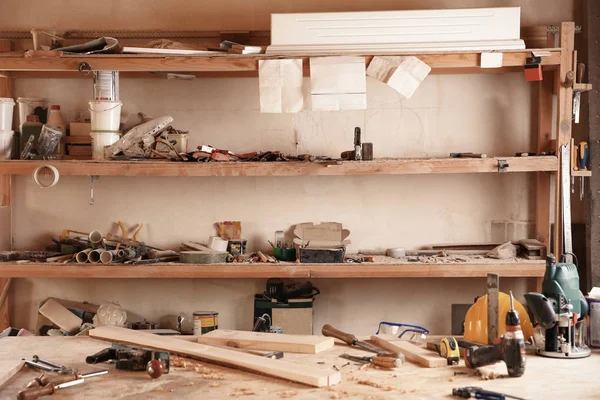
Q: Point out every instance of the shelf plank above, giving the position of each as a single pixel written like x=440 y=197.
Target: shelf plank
x=293 y=168
x=522 y=269
x=239 y=63
x=581 y=172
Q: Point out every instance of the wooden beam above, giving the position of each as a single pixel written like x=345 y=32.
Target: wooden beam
x=239 y=63
x=292 y=168
x=412 y=352
x=519 y=269
x=6 y=202
x=308 y=344
x=309 y=375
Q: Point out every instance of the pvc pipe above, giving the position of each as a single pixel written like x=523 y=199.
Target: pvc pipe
x=95 y=237
x=108 y=256
x=94 y=256
x=126 y=253
x=83 y=256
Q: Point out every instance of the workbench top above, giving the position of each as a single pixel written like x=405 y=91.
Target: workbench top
x=544 y=378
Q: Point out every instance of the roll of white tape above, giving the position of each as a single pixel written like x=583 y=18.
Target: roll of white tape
x=45 y=169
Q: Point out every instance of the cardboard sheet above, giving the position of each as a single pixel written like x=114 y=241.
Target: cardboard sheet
x=403 y=74
x=280 y=84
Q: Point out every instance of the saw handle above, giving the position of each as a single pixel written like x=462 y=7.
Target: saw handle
x=330 y=331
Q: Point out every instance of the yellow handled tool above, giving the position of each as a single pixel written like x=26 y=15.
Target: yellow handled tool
x=449 y=350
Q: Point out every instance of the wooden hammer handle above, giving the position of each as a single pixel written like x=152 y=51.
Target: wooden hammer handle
x=330 y=331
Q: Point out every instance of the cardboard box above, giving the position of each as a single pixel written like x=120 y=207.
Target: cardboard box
x=323 y=243
x=294 y=317
x=80 y=128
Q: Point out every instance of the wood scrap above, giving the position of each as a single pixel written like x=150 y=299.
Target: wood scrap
x=60 y=316
x=308 y=344
x=203 y=257
x=503 y=252
x=9 y=368
x=412 y=352
x=308 y=375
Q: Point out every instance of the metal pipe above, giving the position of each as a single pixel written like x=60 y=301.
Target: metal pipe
x=83 y=256
x=95 y=237
x=108 y=256
x=94 y=256
x=126 y=253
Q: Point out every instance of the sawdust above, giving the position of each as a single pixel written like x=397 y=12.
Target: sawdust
x=242 y=392
x=334 y=396
x=215 y=385
x=451 y=258
x=288 y=394
x=452 y=379
x=367 y=382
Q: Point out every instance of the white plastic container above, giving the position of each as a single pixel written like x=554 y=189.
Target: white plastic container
x=7 y=106
x=6 y=144
x=100 y=140
x=105 y=115
x=181 y=139
x=27 y=106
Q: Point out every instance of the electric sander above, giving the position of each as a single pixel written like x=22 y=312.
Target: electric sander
x=560 y=310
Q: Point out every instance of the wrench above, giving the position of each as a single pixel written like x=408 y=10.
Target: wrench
x=43 y=367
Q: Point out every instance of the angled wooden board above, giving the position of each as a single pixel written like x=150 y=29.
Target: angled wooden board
x=308 y=344
x=9 y=368
x=412 y=352
x=312 y=376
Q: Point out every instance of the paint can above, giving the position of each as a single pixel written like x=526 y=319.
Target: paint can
x=105 y=115
x=205 y=321
x=6 y=144
x=7 y=106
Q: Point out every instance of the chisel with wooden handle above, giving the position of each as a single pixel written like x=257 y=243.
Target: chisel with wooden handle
x=380 y=361
x=350 y=339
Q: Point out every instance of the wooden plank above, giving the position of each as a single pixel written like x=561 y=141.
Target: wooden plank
x=309 y=375
x=241 y=63
x=412 y=352
x=6 y=193
x=307 y=344
x=9 y=368
x=60 y=316
x=377 y=167
x=492 y=286
x=520 y=269
x=5 y=45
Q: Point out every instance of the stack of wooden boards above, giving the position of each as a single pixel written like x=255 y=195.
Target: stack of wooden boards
x=313 y=376
x=79 y=141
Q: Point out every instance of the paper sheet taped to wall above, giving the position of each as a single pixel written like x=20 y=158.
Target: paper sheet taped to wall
x=280 y=84
x=338 y=83
x=403 y=74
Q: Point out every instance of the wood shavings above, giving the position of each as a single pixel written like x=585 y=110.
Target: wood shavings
x=367 y=382
x=451 y=379
x=159 y=389
x=334 y=396
x=288 y=394
x=214 y=384
x=242 y=392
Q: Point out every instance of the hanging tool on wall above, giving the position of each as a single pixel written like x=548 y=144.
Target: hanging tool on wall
x=565 y=161
x=94 y=178
x=577 y=94
x=583 y=155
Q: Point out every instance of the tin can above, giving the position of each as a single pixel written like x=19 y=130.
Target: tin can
x=205 y=321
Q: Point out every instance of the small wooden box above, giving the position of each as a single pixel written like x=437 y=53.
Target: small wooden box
x=80 y=128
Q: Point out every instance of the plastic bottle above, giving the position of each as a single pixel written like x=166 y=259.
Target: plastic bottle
x=32 y=126
x=56 y=119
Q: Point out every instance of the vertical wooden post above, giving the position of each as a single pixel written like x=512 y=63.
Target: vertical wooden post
x=6 y=201
x=564 y=119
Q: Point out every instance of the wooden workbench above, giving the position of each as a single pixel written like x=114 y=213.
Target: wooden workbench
x=544 y=378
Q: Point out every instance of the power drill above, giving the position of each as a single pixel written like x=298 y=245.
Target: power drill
x=510 y=349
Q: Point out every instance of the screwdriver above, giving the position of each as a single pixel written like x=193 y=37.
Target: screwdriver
x=583 y=154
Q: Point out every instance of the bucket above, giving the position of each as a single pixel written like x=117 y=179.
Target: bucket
x=6 y=144
x=205 y=321
x=181 y=140
x=32 y=106
x=106 y=115
x=106 y=85
x=99 y=141
x=7 y=106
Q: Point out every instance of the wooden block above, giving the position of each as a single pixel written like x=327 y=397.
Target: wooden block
x=79 y=150
x=309 y=375
x=78 y=139
x=414 y=353
x=203 y=257
x=8 y=369
x=60 y=316
x=491 y=60
x=5 y=45
x=307 y=344
x=80 y=129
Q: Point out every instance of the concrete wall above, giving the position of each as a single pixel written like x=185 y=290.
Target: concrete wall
x=479 y=113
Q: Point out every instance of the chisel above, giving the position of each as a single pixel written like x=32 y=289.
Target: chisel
x=350 y=339
x=380 y=361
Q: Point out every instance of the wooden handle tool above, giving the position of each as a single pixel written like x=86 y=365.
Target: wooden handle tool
x=33 y=393
x=386 y=362
x=350 y=339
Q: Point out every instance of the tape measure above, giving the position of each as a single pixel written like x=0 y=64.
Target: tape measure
x=449 y=350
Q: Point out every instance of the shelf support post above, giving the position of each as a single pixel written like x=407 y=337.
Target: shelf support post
x=6 y=188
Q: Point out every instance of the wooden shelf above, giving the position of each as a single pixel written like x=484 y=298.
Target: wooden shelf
x=583 y=173
x=523 y=269
x=582 y=87
x=293 y=168
x=439 y=62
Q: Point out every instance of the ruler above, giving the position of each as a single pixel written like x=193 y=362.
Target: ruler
x=565 y=173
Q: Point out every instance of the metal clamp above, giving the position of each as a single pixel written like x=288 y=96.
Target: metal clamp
x=502 y=166
x=85 y=68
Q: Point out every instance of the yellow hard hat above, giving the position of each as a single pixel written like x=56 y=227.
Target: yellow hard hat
x=476 y=319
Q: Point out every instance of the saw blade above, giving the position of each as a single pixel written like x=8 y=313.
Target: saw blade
x=565 y=158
